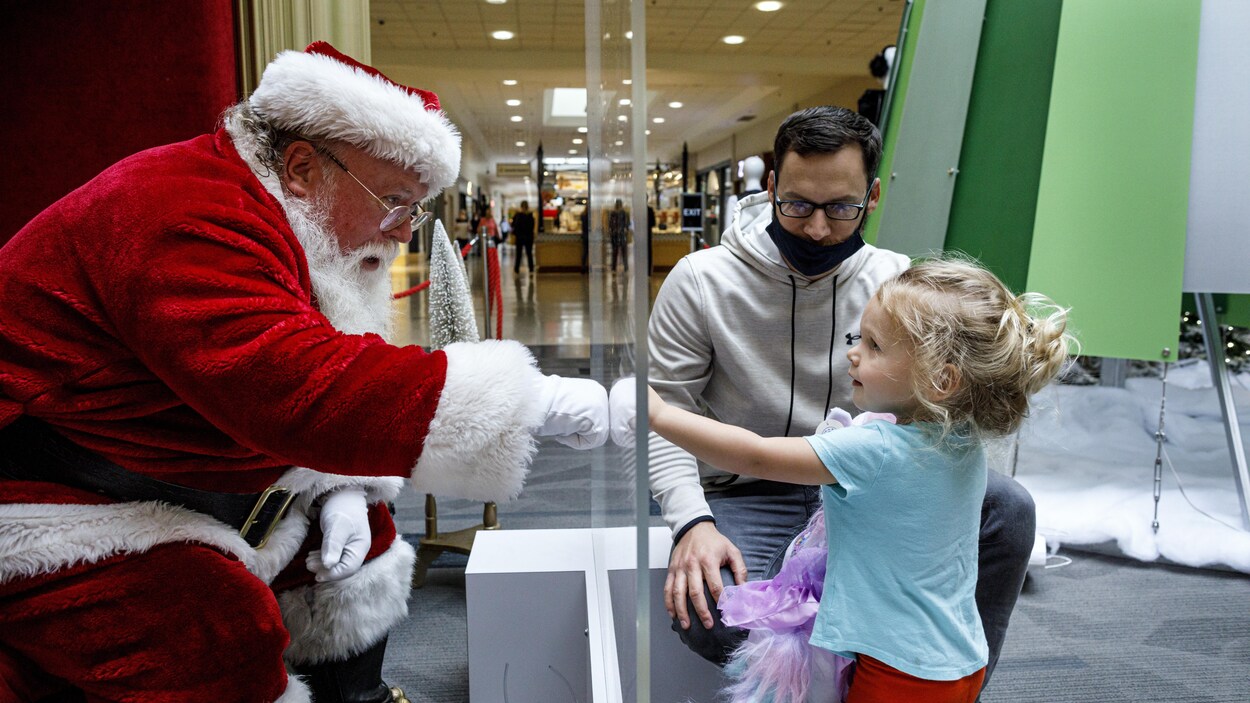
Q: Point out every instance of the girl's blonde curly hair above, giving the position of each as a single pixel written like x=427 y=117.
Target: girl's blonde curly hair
x=979 y=350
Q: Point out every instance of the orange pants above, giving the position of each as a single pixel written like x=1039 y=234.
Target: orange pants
x=875 y=682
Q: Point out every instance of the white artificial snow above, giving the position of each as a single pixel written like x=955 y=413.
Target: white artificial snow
x=1087 y=456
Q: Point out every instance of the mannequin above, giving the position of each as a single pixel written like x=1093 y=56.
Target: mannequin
x=872 y=101
x=752 y=175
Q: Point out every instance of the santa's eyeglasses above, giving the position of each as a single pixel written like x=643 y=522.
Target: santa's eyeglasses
x=396 y=215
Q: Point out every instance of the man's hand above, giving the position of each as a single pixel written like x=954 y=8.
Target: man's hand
x=697 y=558
x=345 y=536
x=577 y=411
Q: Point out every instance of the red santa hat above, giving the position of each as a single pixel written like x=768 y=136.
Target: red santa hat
x=321 y=92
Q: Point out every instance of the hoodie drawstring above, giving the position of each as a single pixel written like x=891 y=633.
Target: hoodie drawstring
x=833 y=319
x=833 y=323
x=794 y=297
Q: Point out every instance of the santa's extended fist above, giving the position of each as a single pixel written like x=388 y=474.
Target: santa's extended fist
x=577 y=411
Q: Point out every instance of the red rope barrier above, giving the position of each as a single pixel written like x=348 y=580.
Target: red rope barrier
x=417 y=288
x=496 y=297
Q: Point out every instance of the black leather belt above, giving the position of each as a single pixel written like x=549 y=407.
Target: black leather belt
x=31 y=450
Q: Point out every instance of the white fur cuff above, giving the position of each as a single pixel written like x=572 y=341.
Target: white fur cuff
x=480 y=444
x=334 y=620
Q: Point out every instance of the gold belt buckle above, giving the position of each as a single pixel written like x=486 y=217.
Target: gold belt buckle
x=285 y=495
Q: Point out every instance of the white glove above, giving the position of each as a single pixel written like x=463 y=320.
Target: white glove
x=345 y=536
x=577 y=411
x=621 y=402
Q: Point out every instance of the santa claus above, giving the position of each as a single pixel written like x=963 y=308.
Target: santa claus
x=203 y=420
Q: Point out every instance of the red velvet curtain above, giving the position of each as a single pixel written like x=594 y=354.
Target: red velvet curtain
x=88 y=82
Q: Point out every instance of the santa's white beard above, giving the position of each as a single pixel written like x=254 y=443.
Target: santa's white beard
x=354 y=299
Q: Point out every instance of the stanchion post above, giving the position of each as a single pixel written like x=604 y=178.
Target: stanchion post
x=485 y=252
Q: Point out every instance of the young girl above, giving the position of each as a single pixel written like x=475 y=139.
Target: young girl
x=948 y=350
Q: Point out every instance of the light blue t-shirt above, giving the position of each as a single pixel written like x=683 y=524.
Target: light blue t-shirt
x=903 y=521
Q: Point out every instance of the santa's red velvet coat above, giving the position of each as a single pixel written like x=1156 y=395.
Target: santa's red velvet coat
x=162 y=317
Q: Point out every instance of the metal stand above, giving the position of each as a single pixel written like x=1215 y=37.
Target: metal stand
x=1160 y=438
x=460 y=541
x=1113 y=372
x=1214 y=342
x=485 y=253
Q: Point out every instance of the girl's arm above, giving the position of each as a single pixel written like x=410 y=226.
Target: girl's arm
x=737 y=450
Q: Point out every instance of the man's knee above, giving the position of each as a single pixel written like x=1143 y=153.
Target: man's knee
x=1008 y=516
x=718 y=642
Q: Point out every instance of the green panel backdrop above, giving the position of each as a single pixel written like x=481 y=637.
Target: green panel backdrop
x=995 y=198
x=1237 y=312
x=1109 y=236
x=923 y=169
x=904 y=57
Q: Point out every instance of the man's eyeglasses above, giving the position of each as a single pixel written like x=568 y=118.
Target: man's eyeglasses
x=396 y=215
x=834 y=211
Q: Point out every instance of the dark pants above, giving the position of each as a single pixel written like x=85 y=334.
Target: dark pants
x=761 y=519
x=618 y=247
x=528 y=246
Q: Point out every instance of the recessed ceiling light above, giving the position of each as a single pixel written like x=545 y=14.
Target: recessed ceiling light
x=622 y=118
x=520 y=143
x=675 y=105
x=629 y=34
x=577 y=140
x=572 y=151
x=581 y=130
x=513 y=102
x=648 y=131
x=618 y=142
x=517 y=118
x=767 y=6
x=658 y=120
x=496 y=2
x=624 y=101
x=731 y=39
x=504 y=35
x=509 y=81
x=628 y=81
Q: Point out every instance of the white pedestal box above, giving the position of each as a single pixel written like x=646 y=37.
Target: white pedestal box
x=552 y=618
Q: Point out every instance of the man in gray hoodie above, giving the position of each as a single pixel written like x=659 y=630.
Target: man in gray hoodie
x=754 y=333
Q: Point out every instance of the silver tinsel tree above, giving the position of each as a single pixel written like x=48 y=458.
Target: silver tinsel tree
x=451 y=304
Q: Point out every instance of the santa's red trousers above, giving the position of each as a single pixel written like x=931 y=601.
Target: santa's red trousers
x=181 y=622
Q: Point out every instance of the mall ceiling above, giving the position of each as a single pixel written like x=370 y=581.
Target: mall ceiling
x=803 y=51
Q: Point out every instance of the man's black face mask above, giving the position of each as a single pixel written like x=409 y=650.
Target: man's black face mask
x=808 y=257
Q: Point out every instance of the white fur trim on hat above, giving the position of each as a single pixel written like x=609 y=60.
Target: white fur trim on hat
x=317 y=95
x=480 y=441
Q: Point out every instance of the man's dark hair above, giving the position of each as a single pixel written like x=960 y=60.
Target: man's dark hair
x=824 y=130
x=525 y=204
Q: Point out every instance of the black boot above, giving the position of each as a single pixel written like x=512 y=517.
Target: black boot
x=357 y=679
